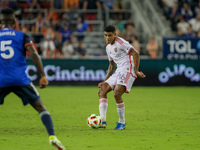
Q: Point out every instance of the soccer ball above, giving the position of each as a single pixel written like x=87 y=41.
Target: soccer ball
x=94 y=121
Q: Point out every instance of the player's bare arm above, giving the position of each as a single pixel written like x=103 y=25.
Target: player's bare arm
x=136 y=58
x=38 y=63
x=111 y=70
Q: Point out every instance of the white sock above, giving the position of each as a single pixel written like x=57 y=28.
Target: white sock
x=103 y=105
x=121 y=112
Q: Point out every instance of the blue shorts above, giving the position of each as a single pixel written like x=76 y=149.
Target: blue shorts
x=27 y=93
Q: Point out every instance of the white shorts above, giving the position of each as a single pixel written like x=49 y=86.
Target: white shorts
x=122 y=78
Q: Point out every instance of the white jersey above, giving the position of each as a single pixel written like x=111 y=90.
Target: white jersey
x=119 y=53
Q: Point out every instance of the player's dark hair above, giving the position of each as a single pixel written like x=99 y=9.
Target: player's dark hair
x=7 y=17
x=110 y=28
x=7 y=11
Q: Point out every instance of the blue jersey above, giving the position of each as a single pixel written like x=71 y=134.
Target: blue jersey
x=13 y=57
x=66 y=34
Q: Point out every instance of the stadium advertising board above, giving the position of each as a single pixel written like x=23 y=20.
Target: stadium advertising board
x=181 y=48
x=91 y=72
x=70 y=72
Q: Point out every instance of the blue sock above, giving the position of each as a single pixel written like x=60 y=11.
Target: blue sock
x=46 y=119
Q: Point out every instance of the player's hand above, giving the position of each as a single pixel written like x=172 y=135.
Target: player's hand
x=140 y=74
x=43 y=82
x=100 y=84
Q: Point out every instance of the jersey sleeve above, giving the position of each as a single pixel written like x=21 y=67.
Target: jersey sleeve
x=27 y=40
x=108 y=54
x=127 y=47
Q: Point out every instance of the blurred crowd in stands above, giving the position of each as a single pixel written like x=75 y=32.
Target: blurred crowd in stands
x=53 y=30
x=184 y=16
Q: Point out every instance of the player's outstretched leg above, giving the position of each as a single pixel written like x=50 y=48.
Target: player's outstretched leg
x=47 y=121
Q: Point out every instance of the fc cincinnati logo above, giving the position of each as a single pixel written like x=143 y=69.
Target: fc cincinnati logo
x=115 y=49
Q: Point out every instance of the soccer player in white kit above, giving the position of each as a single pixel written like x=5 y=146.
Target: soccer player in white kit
x=126 y=58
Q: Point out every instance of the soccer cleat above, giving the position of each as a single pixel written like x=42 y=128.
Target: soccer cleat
x=120 y=126
x=55 y=142
x=103 y=125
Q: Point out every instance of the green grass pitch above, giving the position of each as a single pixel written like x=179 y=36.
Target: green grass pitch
x=158 y=118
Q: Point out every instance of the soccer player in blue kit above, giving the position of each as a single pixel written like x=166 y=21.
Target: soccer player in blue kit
x=13 y=46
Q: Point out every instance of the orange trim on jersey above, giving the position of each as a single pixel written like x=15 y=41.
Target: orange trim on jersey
x=133 y=76
x=28 y=44
x=127 y=91
x=119 y=40
x=130 y=64
x=127 y=77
